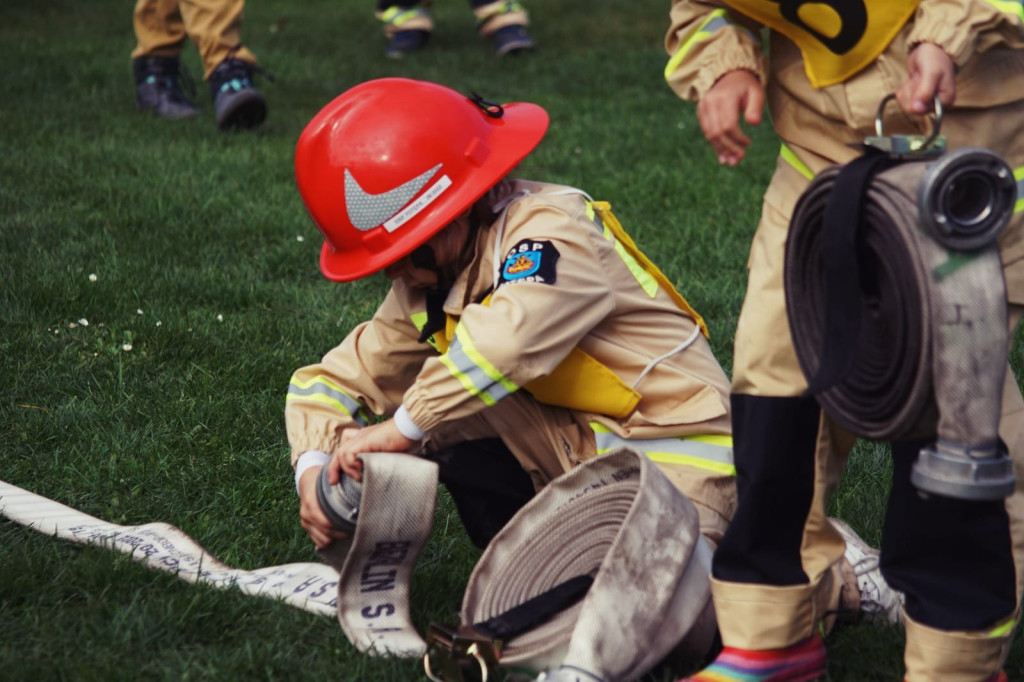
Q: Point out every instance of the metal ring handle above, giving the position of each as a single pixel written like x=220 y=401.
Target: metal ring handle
x=936 y=127
x=427 y=670
x=473 y=651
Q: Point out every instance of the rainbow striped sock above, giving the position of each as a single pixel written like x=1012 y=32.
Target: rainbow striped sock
x=801 y=662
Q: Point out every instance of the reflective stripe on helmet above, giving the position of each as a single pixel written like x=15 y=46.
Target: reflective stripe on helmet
x=322 y=390
x=367 y=210
x=713 y=453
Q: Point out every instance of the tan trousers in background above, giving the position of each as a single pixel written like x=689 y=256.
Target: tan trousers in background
x=214 y=26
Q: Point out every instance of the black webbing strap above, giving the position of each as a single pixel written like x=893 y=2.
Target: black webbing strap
x=436 y=317
x=840 y=250
x=536 y=610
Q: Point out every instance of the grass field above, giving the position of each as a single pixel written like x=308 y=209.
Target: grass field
x=159 y=284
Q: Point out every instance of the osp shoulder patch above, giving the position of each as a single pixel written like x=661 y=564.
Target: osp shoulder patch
x=530 y=261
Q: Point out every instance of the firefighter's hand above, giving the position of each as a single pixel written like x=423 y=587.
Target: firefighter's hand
x=320 y=530
x=719 y=113
x=932 y=74
x=382 y=437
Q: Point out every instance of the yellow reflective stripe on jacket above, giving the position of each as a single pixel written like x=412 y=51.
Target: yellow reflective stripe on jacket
x=715 y=21
x=713 y=453
x=1014 y=7
x=643 y=278
x=1019 y=177
x=790 y=157
x=607 y=220
x=476 y=374
x=322 y=390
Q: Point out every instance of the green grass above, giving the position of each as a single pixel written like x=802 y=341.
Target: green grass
x=206 y=265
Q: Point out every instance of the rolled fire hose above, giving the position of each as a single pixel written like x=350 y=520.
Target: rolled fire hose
x=615 y=518
x=619 y=519
x=915 y=303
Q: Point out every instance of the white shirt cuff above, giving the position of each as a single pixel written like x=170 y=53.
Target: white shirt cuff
x=308 y=460
x=406 y=426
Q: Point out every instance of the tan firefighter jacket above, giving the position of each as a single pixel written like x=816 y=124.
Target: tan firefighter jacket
x=552 y=303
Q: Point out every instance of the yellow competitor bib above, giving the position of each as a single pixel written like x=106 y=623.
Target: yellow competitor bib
x=837 y=38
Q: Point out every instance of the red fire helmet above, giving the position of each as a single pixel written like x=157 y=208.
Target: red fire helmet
x=387 y=164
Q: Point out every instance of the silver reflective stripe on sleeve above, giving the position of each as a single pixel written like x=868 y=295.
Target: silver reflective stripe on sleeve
x=476 y=374
x=322 y=390
x=713 y=453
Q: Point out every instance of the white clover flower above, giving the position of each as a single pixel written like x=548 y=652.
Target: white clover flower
x=159 y=323
x=84 y=322
x=92 y=277
x=300 y=238
x=126 y=347
x=138 y=311
x=220 y=318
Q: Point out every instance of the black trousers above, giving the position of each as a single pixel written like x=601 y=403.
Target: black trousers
x=952 y=558
x=486 y=483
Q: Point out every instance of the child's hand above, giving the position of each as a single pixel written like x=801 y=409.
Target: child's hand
x=931 y=74
x=382 y=437
x=312 y=518
x=719 y=114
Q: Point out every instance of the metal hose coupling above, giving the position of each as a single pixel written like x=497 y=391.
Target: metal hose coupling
x=339 y=502
x=966 y=198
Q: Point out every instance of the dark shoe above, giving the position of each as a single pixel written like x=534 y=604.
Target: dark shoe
x=406 y=42
x=512 y=40
x=158 y=82
x=237 y=103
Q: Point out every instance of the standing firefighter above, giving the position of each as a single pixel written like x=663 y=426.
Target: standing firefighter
x=831 y=63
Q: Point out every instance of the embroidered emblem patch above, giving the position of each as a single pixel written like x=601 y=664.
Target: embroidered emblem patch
x=530 y=261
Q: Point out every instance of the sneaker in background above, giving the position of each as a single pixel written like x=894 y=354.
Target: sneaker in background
x=158 y=88
x=403 y=43
x=237 y=103
x=512 y=40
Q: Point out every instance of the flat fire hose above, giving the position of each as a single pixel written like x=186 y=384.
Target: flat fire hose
x=614 y=521
x=310 y=586
x=899 y=337
x=395 y=517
